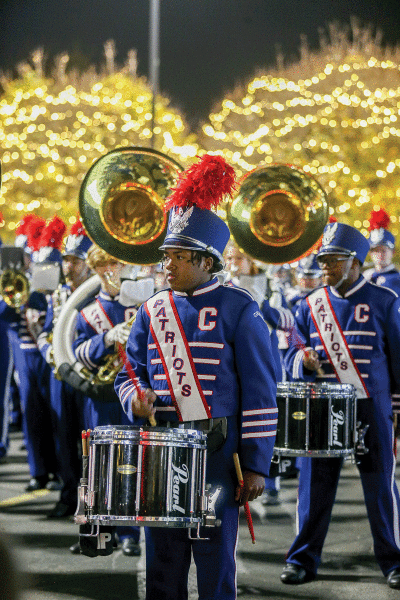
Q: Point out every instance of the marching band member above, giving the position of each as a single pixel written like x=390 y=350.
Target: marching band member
x=382 y=243
x=352 y=328
x=192 y=348
x=33 y=372
x=101 y=325
x=66 y=402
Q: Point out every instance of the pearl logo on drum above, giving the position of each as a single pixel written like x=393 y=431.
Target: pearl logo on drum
x=181 y=476
x=337 y=421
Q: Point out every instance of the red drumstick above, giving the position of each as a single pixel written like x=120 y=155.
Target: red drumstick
x=133 y=378
x=295 y=340
x=246 y=505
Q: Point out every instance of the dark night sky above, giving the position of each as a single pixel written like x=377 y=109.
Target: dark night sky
x=207 y=47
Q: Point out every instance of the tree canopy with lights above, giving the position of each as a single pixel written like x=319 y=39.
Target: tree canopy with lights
x=52 y=128
x=335 y=113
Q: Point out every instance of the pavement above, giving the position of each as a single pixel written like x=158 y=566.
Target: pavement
x=46 y=570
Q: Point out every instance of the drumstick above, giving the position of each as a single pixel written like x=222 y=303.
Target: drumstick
x=295 y=339
x=84 y=444
x=133 y=378
x=246 y=505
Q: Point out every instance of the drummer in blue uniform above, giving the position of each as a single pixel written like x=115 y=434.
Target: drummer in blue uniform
x=221 y=379
x=350 y=328
x=382 y=246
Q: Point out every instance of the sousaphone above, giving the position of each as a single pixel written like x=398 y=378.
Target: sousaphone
x=121 y=203
x=278 y=214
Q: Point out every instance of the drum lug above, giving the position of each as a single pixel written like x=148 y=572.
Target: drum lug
x=360 y=443
x=209 y=519
x=80 y=513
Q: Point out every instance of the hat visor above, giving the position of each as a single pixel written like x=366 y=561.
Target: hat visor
x=334 y=250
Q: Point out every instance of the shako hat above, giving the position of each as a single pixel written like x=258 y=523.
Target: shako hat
x=50 y=241
x=77 y=243
x=339 y=238
x=192 y=223
x=379 y=221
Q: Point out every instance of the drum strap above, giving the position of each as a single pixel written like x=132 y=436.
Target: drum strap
x=173 y=348
x=334 y=341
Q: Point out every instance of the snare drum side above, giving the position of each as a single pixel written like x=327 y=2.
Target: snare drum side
x=293 y=427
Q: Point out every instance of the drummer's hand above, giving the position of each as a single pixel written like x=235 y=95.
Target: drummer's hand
x=143 y=407
x=254 y=484
x=311 y=360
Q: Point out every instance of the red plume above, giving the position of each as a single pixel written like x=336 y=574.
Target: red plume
x=77 y=228
x=23 y=224
x=204 y=184
x=34 y=231
x=379 y=219
x=1 y=219
x=52 y=234
x=332 y=219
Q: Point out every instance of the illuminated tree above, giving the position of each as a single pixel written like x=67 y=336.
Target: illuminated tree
x=335 y=113
x=53 y=128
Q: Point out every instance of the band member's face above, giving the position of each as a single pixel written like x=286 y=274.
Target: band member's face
x=184 y=274
x=381 y=256
x=110 y=275
x=237 y=263
x=333 y=267
x=74 y=269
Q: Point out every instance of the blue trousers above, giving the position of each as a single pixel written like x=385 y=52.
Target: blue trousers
x=67 y=415
x=37 y=422
x=6 y=369
x=169 y=551
x=318 y=483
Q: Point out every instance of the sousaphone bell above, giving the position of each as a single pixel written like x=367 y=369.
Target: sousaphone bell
x=279 y=212
x=121 y=202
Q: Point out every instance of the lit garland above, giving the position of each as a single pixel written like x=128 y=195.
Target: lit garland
x=52 y=129
x=335 y=114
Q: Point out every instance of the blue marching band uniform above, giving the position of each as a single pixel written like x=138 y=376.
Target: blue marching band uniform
x=196 y=353
x=356 y=336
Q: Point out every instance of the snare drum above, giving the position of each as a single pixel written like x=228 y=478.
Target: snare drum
x=315 y=419
x=146 y=476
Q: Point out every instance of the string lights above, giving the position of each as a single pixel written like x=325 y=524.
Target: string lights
x=335 y=114
x=52 y=129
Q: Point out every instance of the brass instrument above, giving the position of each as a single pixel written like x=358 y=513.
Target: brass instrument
x=14 y=288
x=113 y=364
x=121 y=203
x=122 y=199
x=279 y=212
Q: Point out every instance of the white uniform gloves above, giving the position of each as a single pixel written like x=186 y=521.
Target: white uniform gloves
x=117 y=335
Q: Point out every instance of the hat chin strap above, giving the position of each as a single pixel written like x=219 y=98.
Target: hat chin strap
x=346 y=273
